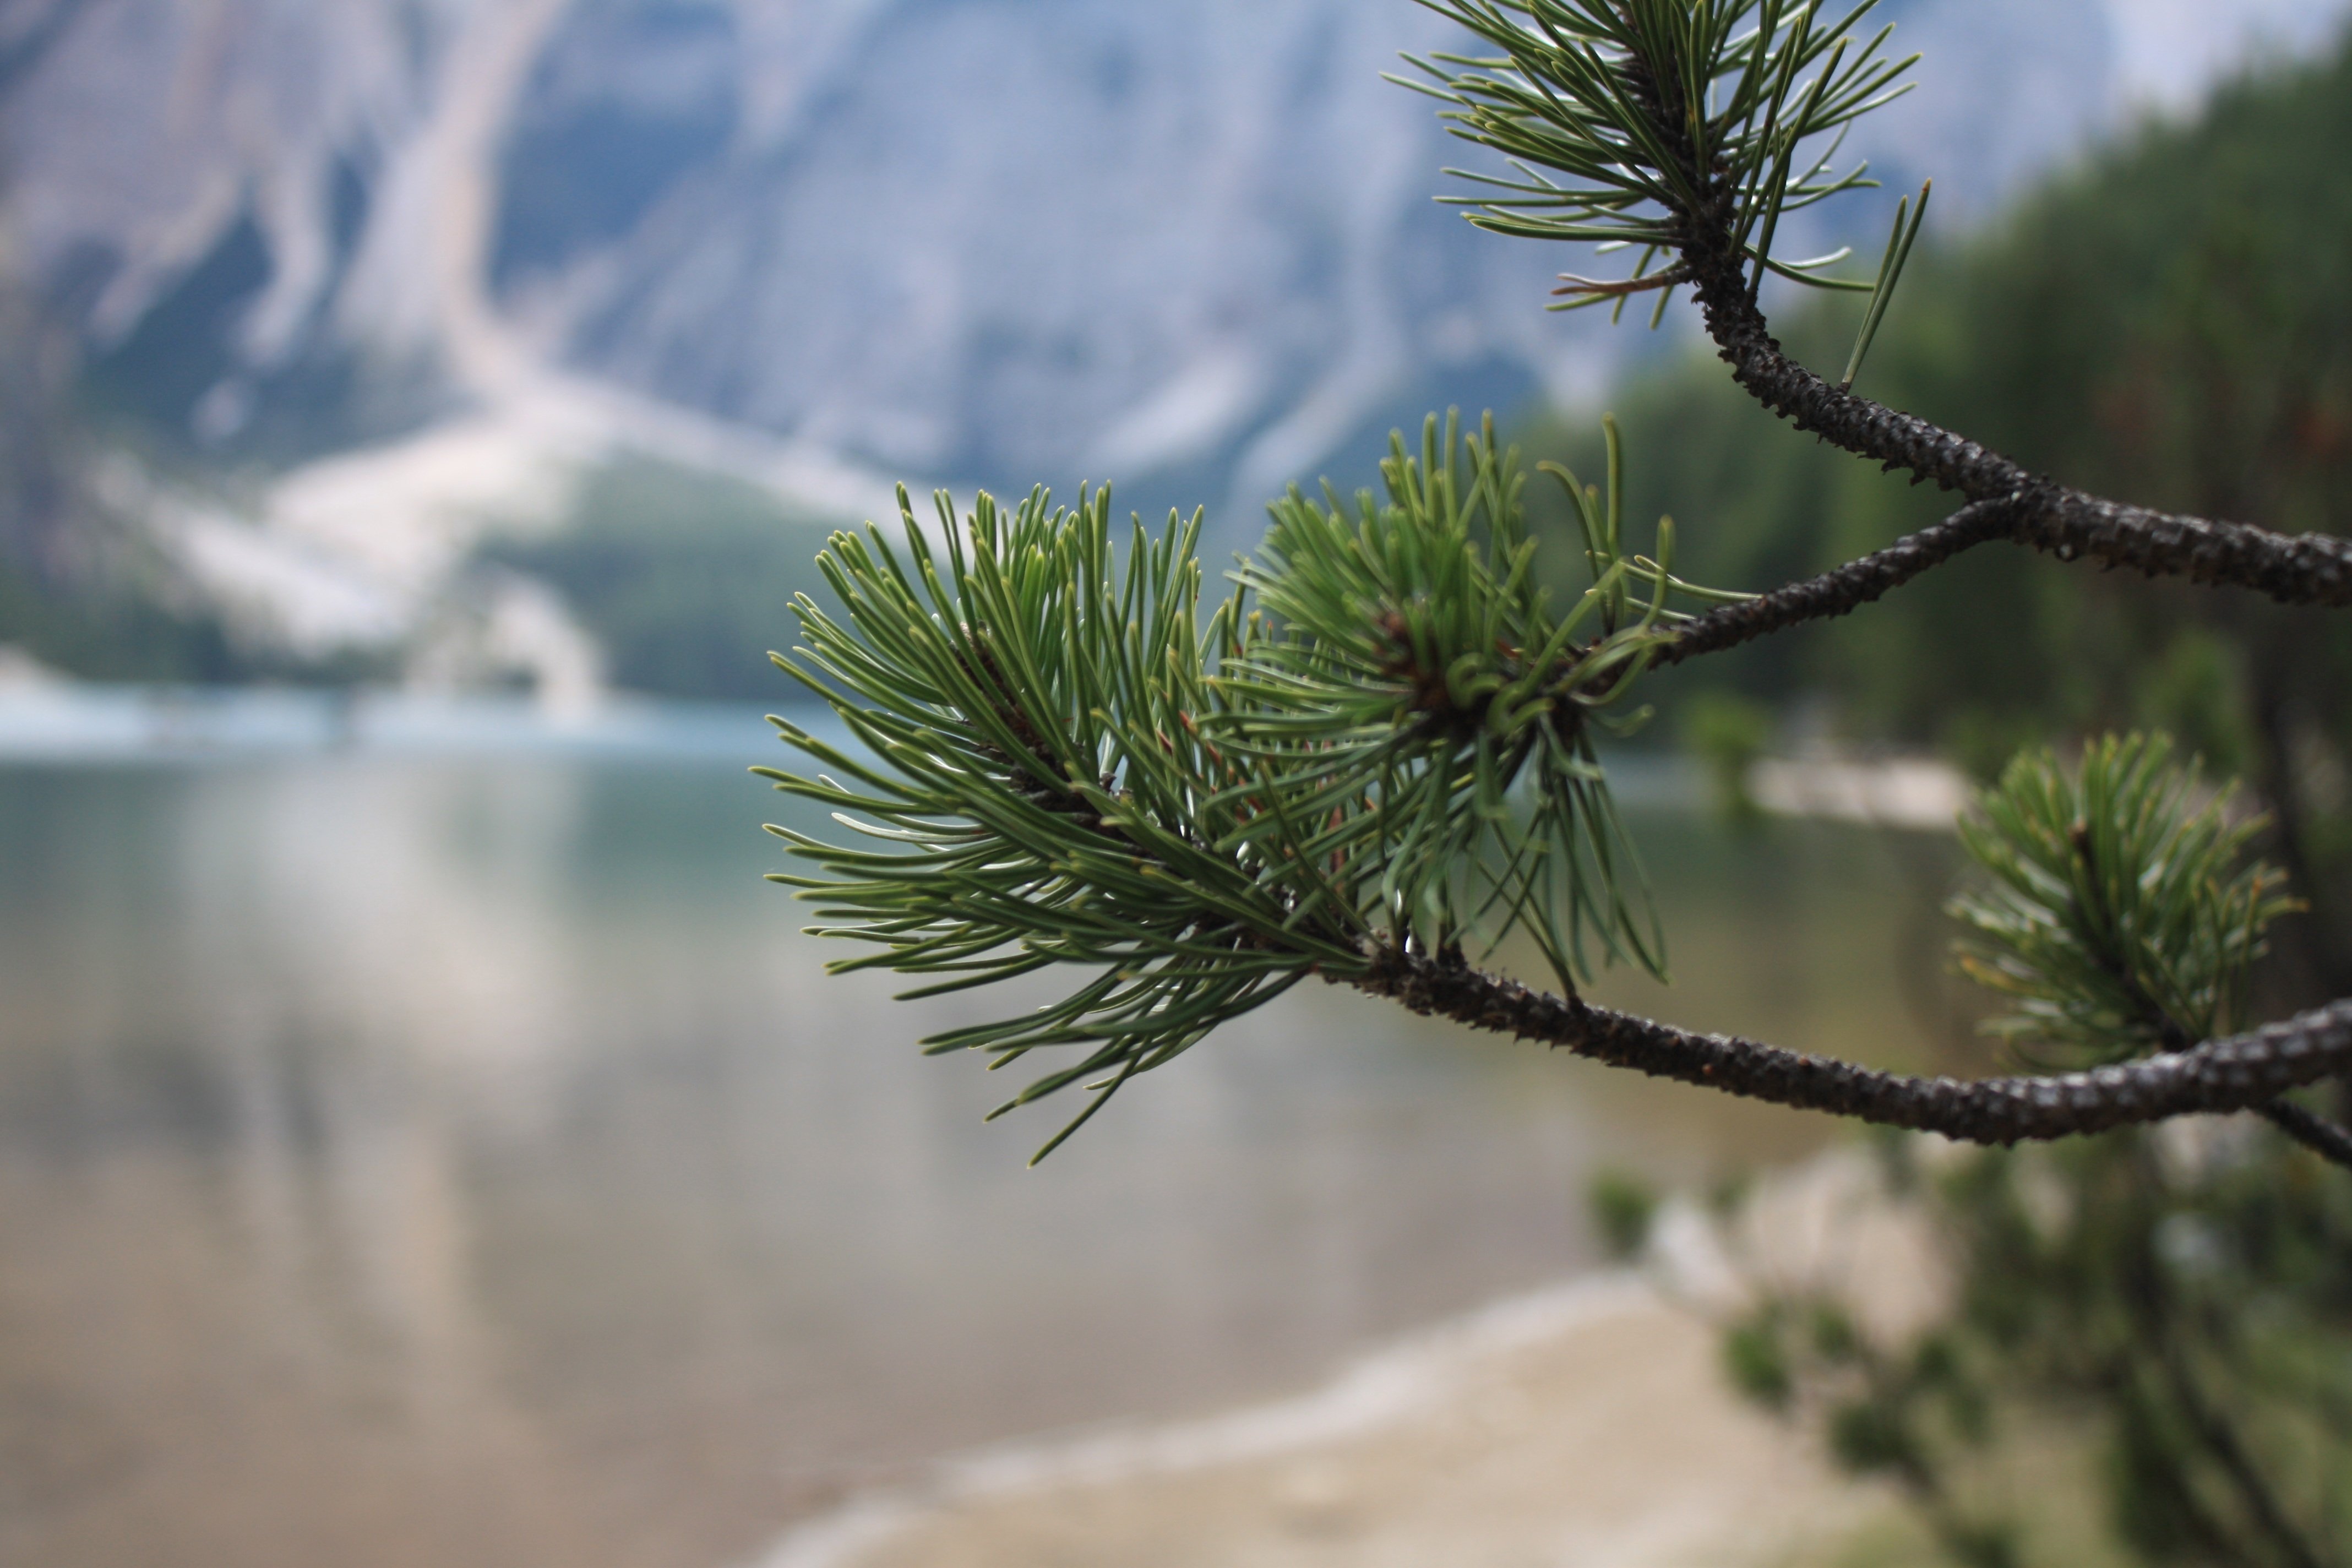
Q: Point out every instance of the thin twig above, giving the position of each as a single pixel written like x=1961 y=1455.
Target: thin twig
x=1843 y=589
x=2300 y=569
x=2325 y=1138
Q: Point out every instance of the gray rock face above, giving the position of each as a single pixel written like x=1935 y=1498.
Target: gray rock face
x=956 y=238
x=142 y=135
x=1066 y=236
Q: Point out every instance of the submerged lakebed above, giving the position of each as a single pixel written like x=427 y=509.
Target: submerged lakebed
x=450 y=1157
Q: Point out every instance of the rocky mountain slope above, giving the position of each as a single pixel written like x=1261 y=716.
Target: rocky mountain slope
x=1186 y=247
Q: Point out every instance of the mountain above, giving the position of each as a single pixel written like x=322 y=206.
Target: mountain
x=457 y=250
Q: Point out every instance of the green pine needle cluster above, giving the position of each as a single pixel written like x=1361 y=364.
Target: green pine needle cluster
x=1621 y=116
x=1036 y=790
x=1060 y=764
x=2121 y=916
x=1407 y=655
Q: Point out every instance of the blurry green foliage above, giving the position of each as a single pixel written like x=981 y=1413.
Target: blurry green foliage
x=1725 y=734
x=2183 y=1292
x=2184 y=1295
x=109 y=632
x=127 y=616
x=1623 y=1208
x=680 y=576
x=1754 y=1355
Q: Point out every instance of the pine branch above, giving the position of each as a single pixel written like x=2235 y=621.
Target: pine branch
x=1398 y=749
x=1064 y=768
x=2116 y=912
x=2240 y=1072
x=1843 y=589
x=2120 y=916
x=1846 y=588
x=2304 y=569
x=1053 y=778
x=1678 y=126
x=1620 y=116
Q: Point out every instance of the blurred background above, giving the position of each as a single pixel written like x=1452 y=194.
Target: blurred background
x=423 y=1137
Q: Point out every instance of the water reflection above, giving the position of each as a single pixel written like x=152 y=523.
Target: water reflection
x=446 y=1162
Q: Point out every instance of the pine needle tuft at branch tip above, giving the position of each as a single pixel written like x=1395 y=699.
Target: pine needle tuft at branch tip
x=1625 y=122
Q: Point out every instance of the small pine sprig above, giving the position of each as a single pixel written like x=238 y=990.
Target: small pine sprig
x=1407 y=654
x=1626 y=121
x=1034 y=791
x=2121 y=916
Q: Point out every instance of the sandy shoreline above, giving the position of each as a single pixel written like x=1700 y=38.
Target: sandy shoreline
x=1586 y=1424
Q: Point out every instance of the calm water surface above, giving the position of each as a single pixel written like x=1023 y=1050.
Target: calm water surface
x=448 y=1162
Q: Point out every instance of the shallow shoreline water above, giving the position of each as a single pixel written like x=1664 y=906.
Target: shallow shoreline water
x=72 y=723
x=1590 y=1424
x=481 y=1126
x=1395 y=1384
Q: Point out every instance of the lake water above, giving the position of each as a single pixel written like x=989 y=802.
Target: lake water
x=461 y=1159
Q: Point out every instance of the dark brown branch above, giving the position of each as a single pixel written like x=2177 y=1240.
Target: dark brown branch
x=2331 y=1140
x=2317 y=1133
x=2242 y=1072
x=2304 y=569
x=1844 y=589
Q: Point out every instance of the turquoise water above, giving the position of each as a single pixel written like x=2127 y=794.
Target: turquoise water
x=461 y=1159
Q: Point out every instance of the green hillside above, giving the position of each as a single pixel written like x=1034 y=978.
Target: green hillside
x=687 y=579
